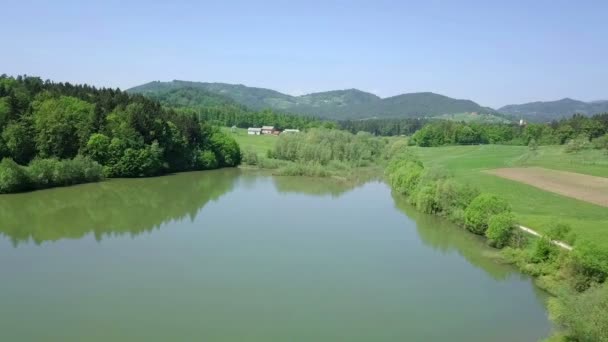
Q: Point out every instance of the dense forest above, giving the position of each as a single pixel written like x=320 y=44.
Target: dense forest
x=55 y=134
x=383 y=127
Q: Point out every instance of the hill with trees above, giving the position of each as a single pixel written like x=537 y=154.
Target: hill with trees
x=54 y=134
x=554 y=110
x=335 y=105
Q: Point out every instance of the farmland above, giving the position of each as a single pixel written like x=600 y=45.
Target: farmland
x=532 y=206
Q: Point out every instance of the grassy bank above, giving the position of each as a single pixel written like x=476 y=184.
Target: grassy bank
x=532 y=207
x=575 y=278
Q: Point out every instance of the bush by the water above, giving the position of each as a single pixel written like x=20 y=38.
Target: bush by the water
x=324 y=145
x=564 y=274
x=46 y=173
x=582 y=315
x=13 y=177
x=430 y=190
x=481 y=209
x=500 y=229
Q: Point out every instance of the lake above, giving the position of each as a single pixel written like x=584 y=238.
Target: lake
x=232 y=255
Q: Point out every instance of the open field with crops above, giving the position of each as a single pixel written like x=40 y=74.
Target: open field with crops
x=576 y=185
x=533 y=207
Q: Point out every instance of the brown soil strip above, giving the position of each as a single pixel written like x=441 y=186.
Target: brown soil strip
x=583 y=187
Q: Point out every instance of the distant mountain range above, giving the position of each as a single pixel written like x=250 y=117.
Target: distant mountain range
x=357 y=104
x=554 y=110
x=335 y=104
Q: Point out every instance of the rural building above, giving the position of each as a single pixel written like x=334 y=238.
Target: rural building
x=291 y=130
x=267 y=129
x=254 y=131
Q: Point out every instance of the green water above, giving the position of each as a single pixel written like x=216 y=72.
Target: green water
x=233 y=256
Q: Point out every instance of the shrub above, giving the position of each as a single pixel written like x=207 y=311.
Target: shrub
x=478 y=213
x=561 y=232
x=500 y=229
x=544 y=250
x=206 y=160
x=323 y=145
x=453 y=196
x=250 y=157
x=75 y=171
x=13 y=177
x=404 y=173
x=577 y=144
x=601 y=142
x=42 y=172
x=582 y=315
x=425 y=199
x=267 y=163
x=395 y=148
x=589 y=264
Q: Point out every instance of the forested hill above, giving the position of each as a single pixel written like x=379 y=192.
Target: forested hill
x=554 y=110
x=336 y=104
x=55 y=134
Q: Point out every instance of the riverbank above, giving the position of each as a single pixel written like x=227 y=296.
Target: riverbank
x=564 y=271
x=533 y=207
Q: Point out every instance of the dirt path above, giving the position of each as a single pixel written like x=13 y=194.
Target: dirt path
x=555 y=242
x=583 y=187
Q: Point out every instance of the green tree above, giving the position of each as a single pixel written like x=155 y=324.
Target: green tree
x=63 y=126
x=18 y=141
x=227 y=150
x=206 y=160
x=13 y=177
x=98 y=148
x=500 y=229
x=481 y=209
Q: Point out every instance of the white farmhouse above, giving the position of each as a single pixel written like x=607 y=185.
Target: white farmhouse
x=254 y=131
x=267 y=129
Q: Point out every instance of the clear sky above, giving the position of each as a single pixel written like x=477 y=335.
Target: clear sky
x=493 y=52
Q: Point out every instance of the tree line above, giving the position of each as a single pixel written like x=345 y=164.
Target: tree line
x=577 y=127
x=57 y=133
x=230 y=115
x=383 y=127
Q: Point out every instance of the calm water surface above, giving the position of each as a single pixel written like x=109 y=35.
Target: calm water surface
x=233 y=256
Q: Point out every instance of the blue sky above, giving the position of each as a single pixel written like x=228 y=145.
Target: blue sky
x=493 y=52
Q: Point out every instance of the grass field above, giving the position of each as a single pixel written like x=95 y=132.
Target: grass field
x=533 y=207
x=258 y=143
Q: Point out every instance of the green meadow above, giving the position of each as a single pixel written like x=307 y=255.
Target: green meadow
x=258 y=143
x=533 y=207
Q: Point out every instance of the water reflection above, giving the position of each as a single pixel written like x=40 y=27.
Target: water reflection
x=120 y=206
x=446 y=237
x=317 y=186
